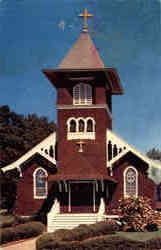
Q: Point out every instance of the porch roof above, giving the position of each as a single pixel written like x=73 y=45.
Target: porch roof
x=80 y=167
x=58 y=177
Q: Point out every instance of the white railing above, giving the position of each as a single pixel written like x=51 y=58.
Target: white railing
x=81 y=135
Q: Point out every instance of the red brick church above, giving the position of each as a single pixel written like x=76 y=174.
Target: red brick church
x=90 y=167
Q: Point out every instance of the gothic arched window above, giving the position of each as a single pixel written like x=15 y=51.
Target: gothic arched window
x=81 y=126
x=82 y=94
x=72 y=126
x=90 y=126
x=40 y=183
x=130 y=182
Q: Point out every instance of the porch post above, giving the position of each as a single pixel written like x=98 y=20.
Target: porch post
x=102 y=185
x=69 y=198
x=94 y=197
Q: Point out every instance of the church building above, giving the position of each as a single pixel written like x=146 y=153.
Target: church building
x=90 y=167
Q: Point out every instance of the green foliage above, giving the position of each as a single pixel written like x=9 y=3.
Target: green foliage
x=18 y=133
x=101 y=242
x=22 y=231
x=7 y=221
x=154 y=154
x=137 y=213
x=79 y=233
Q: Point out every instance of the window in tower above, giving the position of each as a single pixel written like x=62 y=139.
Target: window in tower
x=82 y=94
x=40 y=183
x=90 y=126
x=80 y=128
x=72 y=126
x=130 y=182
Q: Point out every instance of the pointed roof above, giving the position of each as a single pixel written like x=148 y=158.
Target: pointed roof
x=83 y=58
x=82 y=55
x=86 y=169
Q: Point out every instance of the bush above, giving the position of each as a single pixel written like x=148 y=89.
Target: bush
x=153 y=243
x=152 y=227
x=79 y=233
x=137 y=213
x=7 y=221
x=7 y=235
x=22 y=231
x=100 y=242
x=25 y=219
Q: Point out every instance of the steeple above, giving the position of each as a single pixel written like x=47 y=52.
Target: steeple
x=84 y=53
x=83 y=60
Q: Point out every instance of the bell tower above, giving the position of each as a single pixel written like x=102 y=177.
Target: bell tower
x=84 y=104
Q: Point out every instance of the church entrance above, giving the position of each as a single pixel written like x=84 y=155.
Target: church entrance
x=81 y=197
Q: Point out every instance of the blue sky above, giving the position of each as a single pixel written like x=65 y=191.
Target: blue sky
x=127 y=36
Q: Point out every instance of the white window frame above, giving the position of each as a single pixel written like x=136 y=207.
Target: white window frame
x=34 y=184
x=136 y=174
x=80 y=135
x=78 y=93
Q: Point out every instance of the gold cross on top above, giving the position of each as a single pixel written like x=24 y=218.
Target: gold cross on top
x=85 y=15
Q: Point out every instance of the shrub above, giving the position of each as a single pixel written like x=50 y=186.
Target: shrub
x=25 y=219
x=7 y=221
x=153 y=243
x=111 y=242
x=45 y=241
x=7 y=235
x=137 y=213
x=100 y=242
x=77 y=234
x=152 y=227
x=22 y=231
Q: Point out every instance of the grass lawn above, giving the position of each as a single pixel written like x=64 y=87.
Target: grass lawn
x=141 y=236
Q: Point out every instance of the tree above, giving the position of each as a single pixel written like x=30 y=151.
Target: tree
x=154 y=154
x=18 y=133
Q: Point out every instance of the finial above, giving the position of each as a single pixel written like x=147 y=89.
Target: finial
x=85 y=15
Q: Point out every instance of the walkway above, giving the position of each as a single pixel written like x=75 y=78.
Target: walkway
x=20 y=245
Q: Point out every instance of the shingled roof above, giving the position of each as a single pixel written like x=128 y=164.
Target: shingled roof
x=82 y=55
x=84 y=169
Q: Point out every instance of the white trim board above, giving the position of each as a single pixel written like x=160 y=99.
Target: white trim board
x=90 y=106
x=112 y=136
x=47 y=142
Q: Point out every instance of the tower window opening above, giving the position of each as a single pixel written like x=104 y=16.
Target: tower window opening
x=81 y=126
x=90 y=126
x=82 y=94
x=72 y=126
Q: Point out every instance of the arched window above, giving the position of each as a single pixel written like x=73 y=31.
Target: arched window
x=40 y=183
x=81 y=126
x=90 y=126
x=82 y=94
x=72 y=126
x=130 y=182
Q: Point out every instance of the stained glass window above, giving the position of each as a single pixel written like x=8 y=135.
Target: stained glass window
x=130 y=180
x=40 y=183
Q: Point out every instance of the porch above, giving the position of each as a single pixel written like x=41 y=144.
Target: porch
x=83 y=196
x=79 y=202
